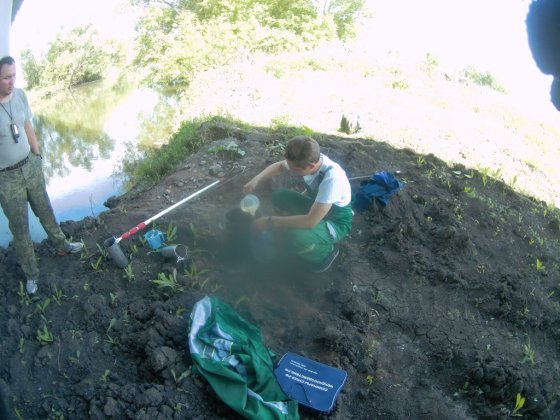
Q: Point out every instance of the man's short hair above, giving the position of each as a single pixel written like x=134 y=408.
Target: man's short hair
x=6 y=61
x=302 y=151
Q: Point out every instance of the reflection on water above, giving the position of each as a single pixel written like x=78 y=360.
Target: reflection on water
x=84 y=136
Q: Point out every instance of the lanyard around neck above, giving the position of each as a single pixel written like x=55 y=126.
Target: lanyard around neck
x=9 y=113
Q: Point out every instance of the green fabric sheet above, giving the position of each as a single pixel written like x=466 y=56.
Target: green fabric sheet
x=230 y=354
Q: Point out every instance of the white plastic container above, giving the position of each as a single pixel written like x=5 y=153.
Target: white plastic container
x=250 y=204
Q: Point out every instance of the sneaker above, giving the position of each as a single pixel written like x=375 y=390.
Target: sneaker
x=72 y=248
x=31 y=287
x=327 y=262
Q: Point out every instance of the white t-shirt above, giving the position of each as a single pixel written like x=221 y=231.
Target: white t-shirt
x=334 y=187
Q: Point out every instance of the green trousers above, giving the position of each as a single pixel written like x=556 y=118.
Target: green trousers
x=19 y=187
x=312 y=245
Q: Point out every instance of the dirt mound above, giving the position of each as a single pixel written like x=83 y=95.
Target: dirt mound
x=443 y=304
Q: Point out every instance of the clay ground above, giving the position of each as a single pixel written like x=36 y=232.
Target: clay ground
x=442 y=305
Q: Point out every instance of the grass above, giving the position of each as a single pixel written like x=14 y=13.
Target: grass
x=155 y=163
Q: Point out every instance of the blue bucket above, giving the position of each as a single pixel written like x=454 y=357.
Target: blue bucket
x=155 y=238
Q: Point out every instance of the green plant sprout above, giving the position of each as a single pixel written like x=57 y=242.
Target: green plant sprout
x=111 y=325
x=513 y=182
x=126 y=317
x=113 y=298
x=399 y=85
x=102 y=250
x=18 y=414
x=178 y=408
x=58 y=295
x=24 y=298
x=200 y=284
x=194 y=273
x=105 y=375
x=194 y=232
x=128 y=273
x=496 y=173
x=181 y=377
x=97 y=264
x=74 y=334
x=348 y=127
x=369 y=379
x=484 y=175
x=85 y=253
x=168 y=282
x=44 y=336
x=21 y=344
x=112 y=340
x=528 y=354
x=57 y=414
x=519 y=403
x=171 y=232
x=539 y=265
x=75 y=360
x=42 y=307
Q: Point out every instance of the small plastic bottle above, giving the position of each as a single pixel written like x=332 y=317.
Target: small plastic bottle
x=250 y=204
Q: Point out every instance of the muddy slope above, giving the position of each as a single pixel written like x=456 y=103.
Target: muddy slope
x=443 y=304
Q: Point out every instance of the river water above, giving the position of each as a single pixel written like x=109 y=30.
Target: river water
x=84 y=137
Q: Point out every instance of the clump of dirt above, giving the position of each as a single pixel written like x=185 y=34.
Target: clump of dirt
x=442 y=304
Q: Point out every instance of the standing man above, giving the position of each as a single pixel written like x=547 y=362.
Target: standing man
x=21 y=177
x=543 y=31
x=314 y=222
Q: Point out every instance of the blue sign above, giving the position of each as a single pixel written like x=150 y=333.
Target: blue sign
x=310 y=383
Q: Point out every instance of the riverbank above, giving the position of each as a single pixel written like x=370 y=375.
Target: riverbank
x=444 y=303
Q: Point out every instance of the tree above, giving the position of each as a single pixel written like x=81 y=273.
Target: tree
x=73 y=59
x=179 y=37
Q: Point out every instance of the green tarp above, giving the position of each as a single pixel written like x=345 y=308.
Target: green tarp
x=229 y=352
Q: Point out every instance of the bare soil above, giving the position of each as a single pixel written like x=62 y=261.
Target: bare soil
x=442 y=305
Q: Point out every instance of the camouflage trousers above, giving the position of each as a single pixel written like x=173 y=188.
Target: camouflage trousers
x=21 y=186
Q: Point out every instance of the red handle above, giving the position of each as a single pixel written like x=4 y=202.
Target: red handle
x=134 y=230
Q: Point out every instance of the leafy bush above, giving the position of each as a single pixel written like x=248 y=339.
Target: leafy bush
x=76 y=58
